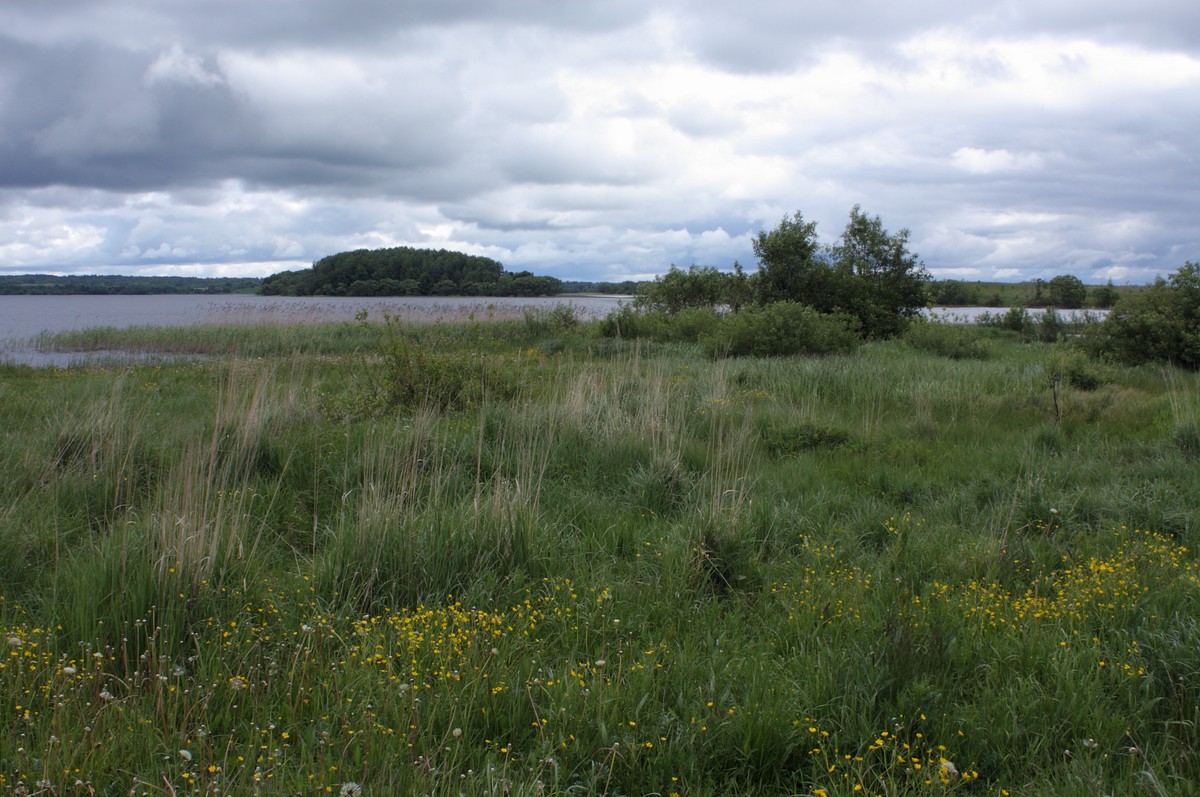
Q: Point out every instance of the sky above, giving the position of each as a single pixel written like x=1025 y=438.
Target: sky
x=597 y=139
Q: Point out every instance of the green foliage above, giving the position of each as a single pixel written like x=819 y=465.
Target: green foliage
x=558 y=319
x=627 y=287
x=1049 y=326
x=792 y=440
x=956 y=341
x=1072 y=367
x=953 y=293
x=884 y=283
x=1161 y=323
x=790 y=266
x=781 y=329
x=698 y=287
x=1067 y=291
x=651 y=572
x=1104 y=296
x=112 y=284
x=417 y=375
x=1015 y=319
x=404 y=271
x=689 y=325
x=869 y=273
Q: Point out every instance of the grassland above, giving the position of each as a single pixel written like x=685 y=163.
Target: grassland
x=596 y=566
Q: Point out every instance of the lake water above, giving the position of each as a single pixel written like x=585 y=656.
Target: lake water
x=23 y=318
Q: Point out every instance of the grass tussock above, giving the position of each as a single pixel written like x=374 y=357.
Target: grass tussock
x=952 y=562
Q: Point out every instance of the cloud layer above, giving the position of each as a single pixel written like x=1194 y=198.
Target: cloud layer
x=596 y=140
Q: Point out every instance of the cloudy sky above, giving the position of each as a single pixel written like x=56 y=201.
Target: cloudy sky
x=597 y=139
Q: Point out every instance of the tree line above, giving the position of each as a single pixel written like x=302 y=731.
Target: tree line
x=405 y=271
x=1064 y=292
x=114 y=285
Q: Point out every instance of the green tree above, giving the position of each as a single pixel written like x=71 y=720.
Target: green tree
x=869 y=273
x=1105 y=296
x=1161 y=323
x=882 y=282
x=790 y=266
x=698 y=287
x=1067 y=291
x=952 y=293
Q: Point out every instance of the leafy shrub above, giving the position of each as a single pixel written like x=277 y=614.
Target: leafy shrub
x=689 y=325
x=781 y=329
x=1049 y=326
x=540 y=323
x=698 y=287
x=414 y=375
x=1161 y=323
x=956 y=341
x=1073 y=368
x=788 y=441
x=1016 y=319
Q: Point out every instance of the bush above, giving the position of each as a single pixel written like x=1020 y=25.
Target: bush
x=685 y=326
x=1049 y=327
x=414 y=375
x=541 y=323
x=789 y=441
x=1161 y=323
x=1015 y=319
x=956 y=341
x=1072 y=367
x=781 y=329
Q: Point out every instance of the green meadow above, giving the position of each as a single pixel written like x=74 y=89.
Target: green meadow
x=526 y=558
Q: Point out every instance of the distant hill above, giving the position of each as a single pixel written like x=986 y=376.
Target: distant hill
x=106 y=285
x=403 y=271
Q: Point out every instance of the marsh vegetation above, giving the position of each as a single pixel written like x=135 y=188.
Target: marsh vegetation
x=542 y=556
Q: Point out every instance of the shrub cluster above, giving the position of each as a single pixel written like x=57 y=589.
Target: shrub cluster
x=956 y=341
x=781 y=329
x=1160 y=324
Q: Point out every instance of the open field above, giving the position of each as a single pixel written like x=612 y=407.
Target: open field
x=519 y=558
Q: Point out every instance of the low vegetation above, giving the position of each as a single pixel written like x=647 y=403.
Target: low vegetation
x=551 y=557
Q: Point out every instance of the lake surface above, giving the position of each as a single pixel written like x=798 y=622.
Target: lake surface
x=23 y=318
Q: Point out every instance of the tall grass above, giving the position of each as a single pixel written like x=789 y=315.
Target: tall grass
x=641 y=571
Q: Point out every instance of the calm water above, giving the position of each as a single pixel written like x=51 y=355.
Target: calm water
x=22 y=318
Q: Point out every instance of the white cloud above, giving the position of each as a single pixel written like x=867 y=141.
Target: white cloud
x=983 y=161
x=173 y=65
x=612 y=139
